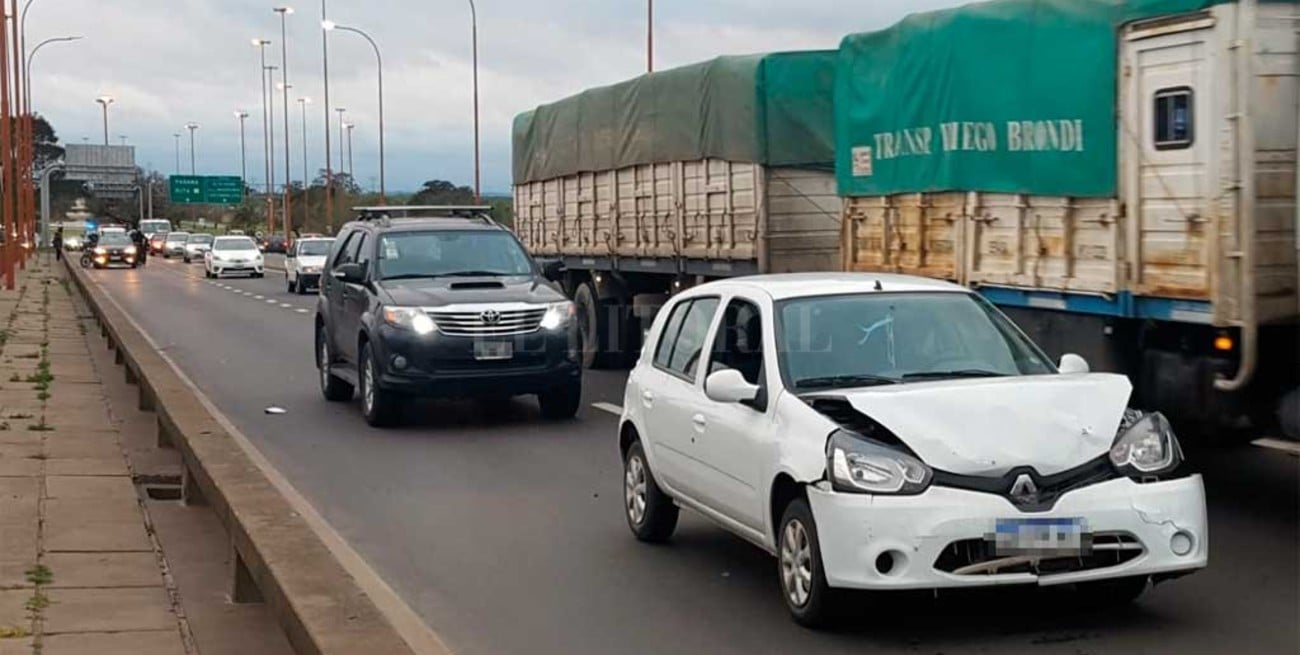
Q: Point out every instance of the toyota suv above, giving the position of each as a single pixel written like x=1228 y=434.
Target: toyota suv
x=441 y=302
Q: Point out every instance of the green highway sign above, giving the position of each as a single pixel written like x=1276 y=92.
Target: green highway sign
x=206 y=189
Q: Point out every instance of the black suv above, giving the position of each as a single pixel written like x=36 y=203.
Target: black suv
x=441 y=301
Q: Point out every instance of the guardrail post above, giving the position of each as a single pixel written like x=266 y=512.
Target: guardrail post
x=146 y=403
x=118 y=357
x=164 y=437
x=131 y=377
x=243 y=589
x=191 y=492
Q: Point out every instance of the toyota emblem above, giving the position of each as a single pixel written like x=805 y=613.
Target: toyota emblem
x=490 y=317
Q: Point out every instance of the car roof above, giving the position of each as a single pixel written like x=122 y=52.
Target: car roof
x=415 y=224
x=235 y=237
x=801 y=285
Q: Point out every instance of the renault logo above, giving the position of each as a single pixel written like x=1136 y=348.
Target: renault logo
x=490 y=317
x=1024 y=490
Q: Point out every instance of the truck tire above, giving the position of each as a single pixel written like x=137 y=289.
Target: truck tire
x=1288 y=414
x=593 y=327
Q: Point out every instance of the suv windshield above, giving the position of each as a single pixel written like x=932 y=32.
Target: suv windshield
x=313 y=248
x=451 y=252
x=241 y=243
x=876 y=338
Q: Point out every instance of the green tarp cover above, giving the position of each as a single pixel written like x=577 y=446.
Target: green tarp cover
x=770 y=109
x=1010 y=96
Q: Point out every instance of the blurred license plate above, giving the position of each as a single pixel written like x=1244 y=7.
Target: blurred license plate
x=1054 y=537
x=493 y=350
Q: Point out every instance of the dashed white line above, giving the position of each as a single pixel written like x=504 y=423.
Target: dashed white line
x=1291 y=447
x=300 y=310
x=609 y=407
x=258 y=297
x=286 y=305
x=269 y=301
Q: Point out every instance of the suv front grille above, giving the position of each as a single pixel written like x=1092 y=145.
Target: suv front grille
x=487 y=321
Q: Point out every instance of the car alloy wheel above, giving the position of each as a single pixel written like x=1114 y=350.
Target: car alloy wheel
x=634 y=489
x=368 y=387
x=796 y=563
x=324 y=363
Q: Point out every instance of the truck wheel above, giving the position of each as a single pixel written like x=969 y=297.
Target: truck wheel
x=593 y=326
x=1288 y=414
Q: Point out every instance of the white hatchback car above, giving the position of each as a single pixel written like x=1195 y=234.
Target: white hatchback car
x=891 y=432
x=304 y=263
x=233 y=255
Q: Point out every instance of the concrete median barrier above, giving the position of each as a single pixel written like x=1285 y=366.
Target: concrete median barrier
x=277 y=557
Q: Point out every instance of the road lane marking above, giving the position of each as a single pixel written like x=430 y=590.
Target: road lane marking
x=418 y=635
x=1278 y=444
x=259 y=297
x=300 y=310
x=609 y=407
x=269 y=301
x=286 y=305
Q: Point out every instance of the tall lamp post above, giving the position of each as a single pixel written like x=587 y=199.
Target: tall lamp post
x=270 y=146
x=379 y=62
x=105 y=101
x=650 y=36
x=306 y=182
x=192 y=127
x=329 y=172
x=30 y=147
x=284 y=77
x=341 y=111
x=261 y=44
x=177 y=137
x=473 y=15
x=243 y=149
x=351 y=172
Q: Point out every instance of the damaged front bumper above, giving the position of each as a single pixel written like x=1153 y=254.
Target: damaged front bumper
x=936 y=539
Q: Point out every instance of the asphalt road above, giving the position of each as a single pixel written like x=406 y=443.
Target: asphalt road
x=505 y=532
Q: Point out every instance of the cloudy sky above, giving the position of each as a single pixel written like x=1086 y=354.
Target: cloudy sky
x=168 y=62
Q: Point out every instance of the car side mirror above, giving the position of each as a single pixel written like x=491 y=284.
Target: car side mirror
x=1072 y=363
x=351 y=273
x=729 y=386
x=553 y=270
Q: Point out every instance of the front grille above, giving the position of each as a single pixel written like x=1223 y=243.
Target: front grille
x=1048 y=488
x=976 y=557
x=487 y=321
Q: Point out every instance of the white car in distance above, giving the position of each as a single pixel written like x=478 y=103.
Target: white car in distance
x=304 y=262
x=233 y=256
x=886 y=432
x=196 y=245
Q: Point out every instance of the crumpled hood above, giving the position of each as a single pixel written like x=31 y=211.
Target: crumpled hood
x=991 y=425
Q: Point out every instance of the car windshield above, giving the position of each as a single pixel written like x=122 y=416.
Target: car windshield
x=178 y=236
x=114 y=239
x=451 y=252
x=313 y=248
x=878 y=338
x=200 y=239
x=241 y=243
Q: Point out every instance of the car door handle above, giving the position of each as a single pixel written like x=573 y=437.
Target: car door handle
x=647 y=398
x=700 y=423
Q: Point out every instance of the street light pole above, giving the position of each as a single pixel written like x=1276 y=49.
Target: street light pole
x=351 y=172
x=650 y=36
x=28 y=122
x=329 y=172
x=284 y=76
x=177 y=137
x=379 y=61
x=105 y=101
x=473 y=13
x=261 y=44
x=341 y=111
x=192 y=127
x=270 y=145
x=243 y=149
x=306 y=183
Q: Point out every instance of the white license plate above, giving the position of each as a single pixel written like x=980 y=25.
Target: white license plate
x=493 y=350
x=1052 y=537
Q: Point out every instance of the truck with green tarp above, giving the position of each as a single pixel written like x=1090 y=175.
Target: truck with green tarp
x=1119 y=177
x=717 y=169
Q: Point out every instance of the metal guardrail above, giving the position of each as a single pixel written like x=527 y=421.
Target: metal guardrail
x=277 y=557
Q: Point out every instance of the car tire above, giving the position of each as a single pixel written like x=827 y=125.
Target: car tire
x=1111 y=593
x=298 y=287
x=561 y=402
x=812 y=602
x=288 y=284
x=650 y=513
x=379 y=407
x=334 y=388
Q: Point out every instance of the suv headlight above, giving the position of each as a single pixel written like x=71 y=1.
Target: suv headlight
x=857 y=465
x=409 y=318
x=558 y=315
x=1145 y=445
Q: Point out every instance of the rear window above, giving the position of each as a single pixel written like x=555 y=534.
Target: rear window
x=178 y=236
x=200 y=238
x=314 y=248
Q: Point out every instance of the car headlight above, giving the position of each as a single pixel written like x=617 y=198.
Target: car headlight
x=100 y=250
x=558 y=315
x=130 y=250
x=409 y=318
x=1145 y=445
x=857 y=465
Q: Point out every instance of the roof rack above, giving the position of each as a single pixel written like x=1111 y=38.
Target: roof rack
x=479 y=212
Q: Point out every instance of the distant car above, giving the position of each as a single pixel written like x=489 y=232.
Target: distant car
x=233 y=256
x=73 y=242
x=196 y=245
x=888 y=432
x=114 y=248
x=236 y=233
x=152 y=226
x=112 y=229
x=275 y=243
x=304 y=262
x=175 y=244
x=156 y=242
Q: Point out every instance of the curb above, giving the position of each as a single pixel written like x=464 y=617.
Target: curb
x=277 y=556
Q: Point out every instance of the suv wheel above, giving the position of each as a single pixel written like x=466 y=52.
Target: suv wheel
x=379 y=407
x=651 y=514
x=810 y=600
x=561 y=402
x=334 y=388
